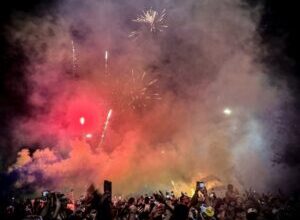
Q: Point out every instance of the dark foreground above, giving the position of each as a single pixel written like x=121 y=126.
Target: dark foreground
x=202 y=205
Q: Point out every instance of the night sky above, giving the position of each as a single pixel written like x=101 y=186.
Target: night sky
x=278 y=30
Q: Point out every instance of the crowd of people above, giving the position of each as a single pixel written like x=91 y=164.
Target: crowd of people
x=203 y=205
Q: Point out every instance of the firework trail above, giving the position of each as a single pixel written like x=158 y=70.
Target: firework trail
x=172 y=182
x=105 y=127
x=74 y=59
x=150 y=20
x=106 y=61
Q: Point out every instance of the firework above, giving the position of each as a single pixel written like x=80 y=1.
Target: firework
x=89 y=135
x=173 y=184
x=82 y=120
x=106 y=56
x=134 y=91
x=105 y=127
x=150 y=20
x=141 y=90
x=227 y=111
x=106 y=61
x=74 y=59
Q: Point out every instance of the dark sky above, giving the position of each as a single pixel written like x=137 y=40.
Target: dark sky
x=278 y=29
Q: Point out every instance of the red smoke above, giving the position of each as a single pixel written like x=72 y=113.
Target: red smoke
x=92 y=113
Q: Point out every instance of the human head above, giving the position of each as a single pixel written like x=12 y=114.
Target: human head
x=230 y=187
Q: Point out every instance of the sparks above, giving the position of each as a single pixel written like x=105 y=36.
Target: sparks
x=227 y=111
x=136 y=92
x=106 y=61
x=88 y=135
x=106 y=56
x=82 y=120
x=74 y=58
x=152 y=20
x=172 y=182
x=105 y=127
x=141 y=91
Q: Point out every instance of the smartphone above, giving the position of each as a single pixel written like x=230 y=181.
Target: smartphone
x=200 y=185
x=45 y=193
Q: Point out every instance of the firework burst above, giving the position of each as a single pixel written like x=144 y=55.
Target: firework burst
x=142 y=91
x=150 y=20
x=135 y=91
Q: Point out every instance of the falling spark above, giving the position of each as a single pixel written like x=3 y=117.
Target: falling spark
x=106 y=61
x=89 y=135
x=105 y=127
x=82 y=120
x=106 y=56
x=227 y=111
x=74 y=58
x=152 y=20
x=172 y=182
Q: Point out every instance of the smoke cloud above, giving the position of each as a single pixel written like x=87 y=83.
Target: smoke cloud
x=206 y=61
